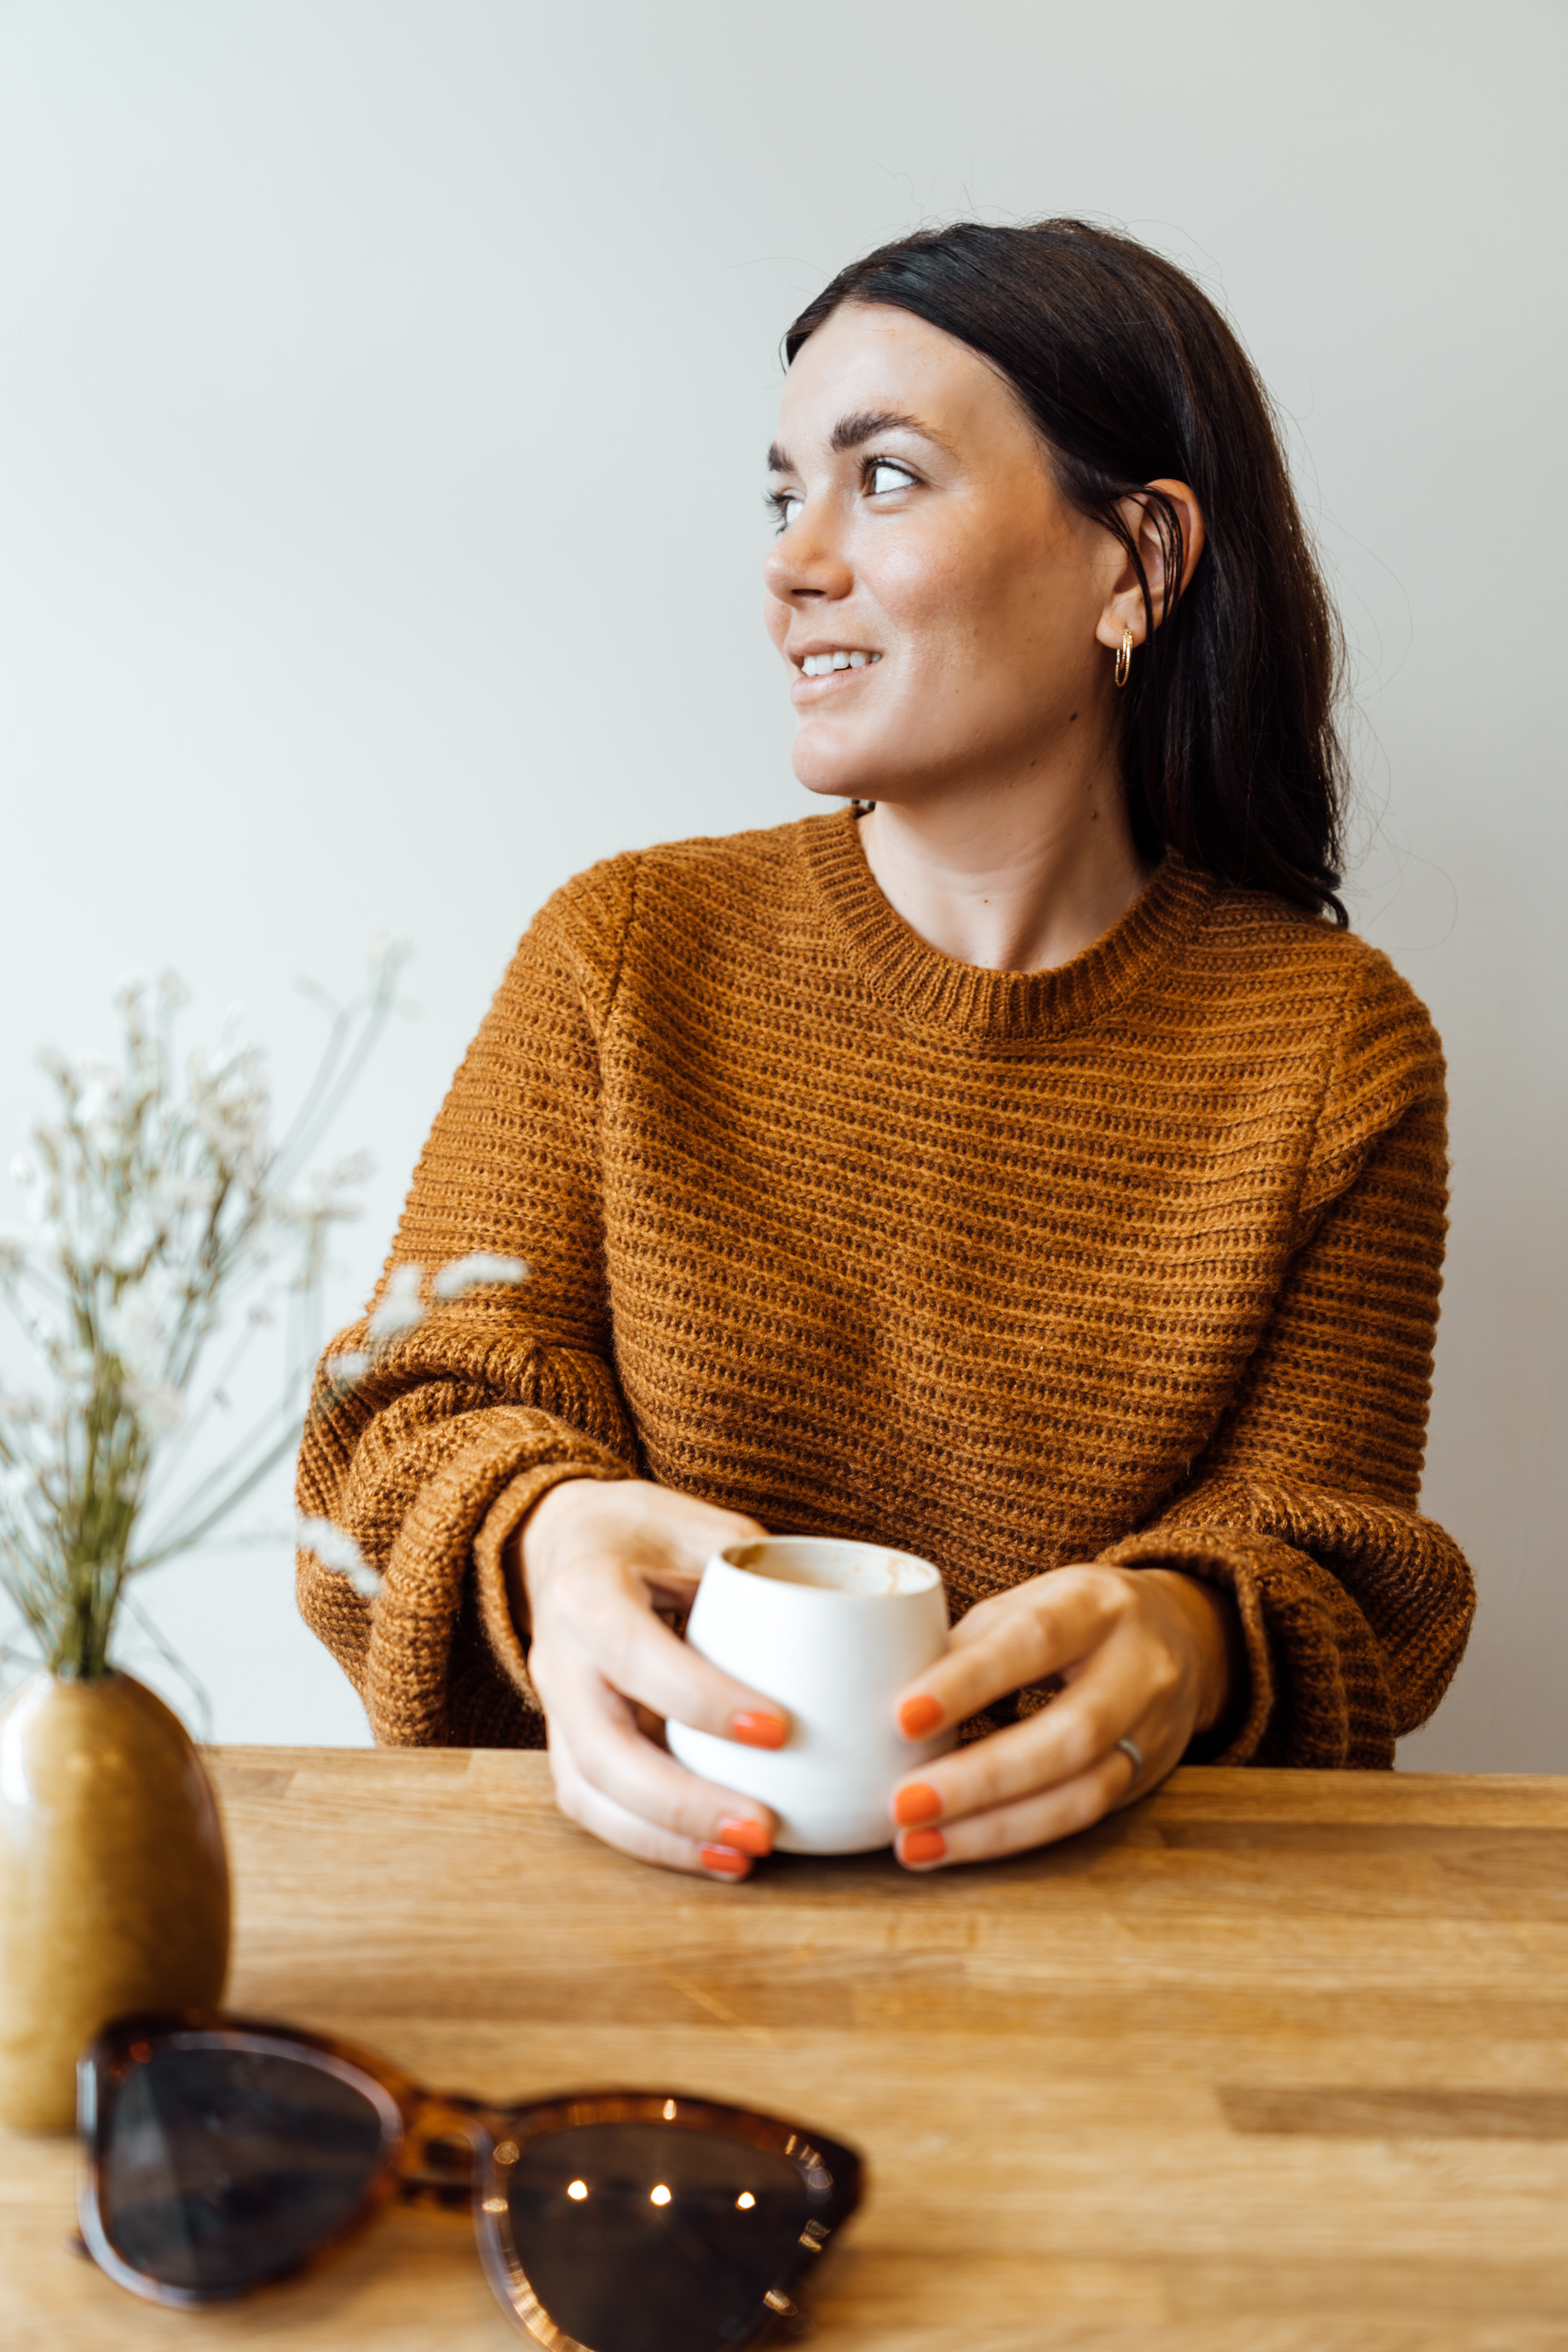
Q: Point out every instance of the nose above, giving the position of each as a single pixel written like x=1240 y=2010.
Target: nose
x=805 y=564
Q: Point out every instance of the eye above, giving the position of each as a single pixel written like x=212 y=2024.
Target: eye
x=883 y=475
x=785 y=505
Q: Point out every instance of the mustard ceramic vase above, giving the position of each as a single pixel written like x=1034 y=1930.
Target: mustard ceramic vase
x=113 y=1882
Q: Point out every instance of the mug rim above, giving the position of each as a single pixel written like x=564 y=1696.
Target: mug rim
x=932 y=1582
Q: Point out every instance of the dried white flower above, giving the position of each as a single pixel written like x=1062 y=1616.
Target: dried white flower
x=357 y=1169
x=157 y=1203
x=481 y=1267
x=336 y=1549
x=401 y=1308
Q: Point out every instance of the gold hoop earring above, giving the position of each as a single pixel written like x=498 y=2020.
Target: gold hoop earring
x=1124 y=658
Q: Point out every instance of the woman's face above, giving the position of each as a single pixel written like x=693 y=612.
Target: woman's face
x=922 y=531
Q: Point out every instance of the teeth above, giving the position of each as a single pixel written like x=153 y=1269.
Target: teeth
x=818 y=665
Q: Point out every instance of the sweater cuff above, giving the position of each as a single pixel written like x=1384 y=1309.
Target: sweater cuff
x=501 y=1522
x=1197 y=1553
x=1319 y=1697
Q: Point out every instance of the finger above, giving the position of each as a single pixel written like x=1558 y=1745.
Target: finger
x=1037 y=1631
x=612 y=1757
x=605 y=1614
x=1037 y=1820
x=1057 y=1745
x=630 y=1833
x=1125 y=1686
x=669 y=1551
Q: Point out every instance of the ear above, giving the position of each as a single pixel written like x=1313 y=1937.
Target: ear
x=1124 y=607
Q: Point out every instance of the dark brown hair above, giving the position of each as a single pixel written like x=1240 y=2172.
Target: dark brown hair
x=1230 y=748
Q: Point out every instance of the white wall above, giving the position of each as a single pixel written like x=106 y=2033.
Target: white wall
x=381 y=401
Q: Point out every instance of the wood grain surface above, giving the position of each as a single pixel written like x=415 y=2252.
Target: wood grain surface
x=1275 y=2060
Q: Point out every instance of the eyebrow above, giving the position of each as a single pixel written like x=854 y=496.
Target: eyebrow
x=854 y=431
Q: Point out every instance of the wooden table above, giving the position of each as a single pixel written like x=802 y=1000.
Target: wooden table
x=1276 y=2061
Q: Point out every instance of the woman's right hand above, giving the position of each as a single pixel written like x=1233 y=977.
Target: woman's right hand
x=595 y=1562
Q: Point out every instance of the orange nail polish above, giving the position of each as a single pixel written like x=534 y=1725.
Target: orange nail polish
x=919 y=1718
x=922 y=1845
x=916 y=1803
x=759 y=1730
x=746 y=1837
x=727 y=1864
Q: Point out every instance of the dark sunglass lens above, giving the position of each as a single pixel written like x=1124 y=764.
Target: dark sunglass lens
x=651 y=2238
x=223 y=2167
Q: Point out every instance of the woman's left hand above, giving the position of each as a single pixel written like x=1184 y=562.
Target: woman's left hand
x=1145 y=1655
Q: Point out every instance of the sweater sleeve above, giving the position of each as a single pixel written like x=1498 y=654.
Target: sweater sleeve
x=1355 y=1608
x=433 y=1459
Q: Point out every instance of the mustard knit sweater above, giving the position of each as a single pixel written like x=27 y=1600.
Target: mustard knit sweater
x=1134 y=1260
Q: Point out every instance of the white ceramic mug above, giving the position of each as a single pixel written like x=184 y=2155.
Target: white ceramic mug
x=832 y=1632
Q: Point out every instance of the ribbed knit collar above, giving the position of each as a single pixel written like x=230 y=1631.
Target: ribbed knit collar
x=963 y=1002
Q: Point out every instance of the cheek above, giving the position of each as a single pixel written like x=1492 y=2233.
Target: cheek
x=967 y=594
x=925 y=587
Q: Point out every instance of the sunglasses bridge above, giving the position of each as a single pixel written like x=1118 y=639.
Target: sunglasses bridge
x=440 y=2162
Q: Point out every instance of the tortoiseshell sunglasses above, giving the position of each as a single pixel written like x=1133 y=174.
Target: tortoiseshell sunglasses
x=224 y=2153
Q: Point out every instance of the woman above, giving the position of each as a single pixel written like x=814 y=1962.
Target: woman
x=1022 y=1165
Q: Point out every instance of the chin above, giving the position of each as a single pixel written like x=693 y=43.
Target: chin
x=834 y=788
x=832 y=778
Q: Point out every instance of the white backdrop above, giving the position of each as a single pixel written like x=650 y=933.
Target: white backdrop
x=385 y=385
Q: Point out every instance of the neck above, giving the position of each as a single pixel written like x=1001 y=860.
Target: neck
x=1018 y=876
